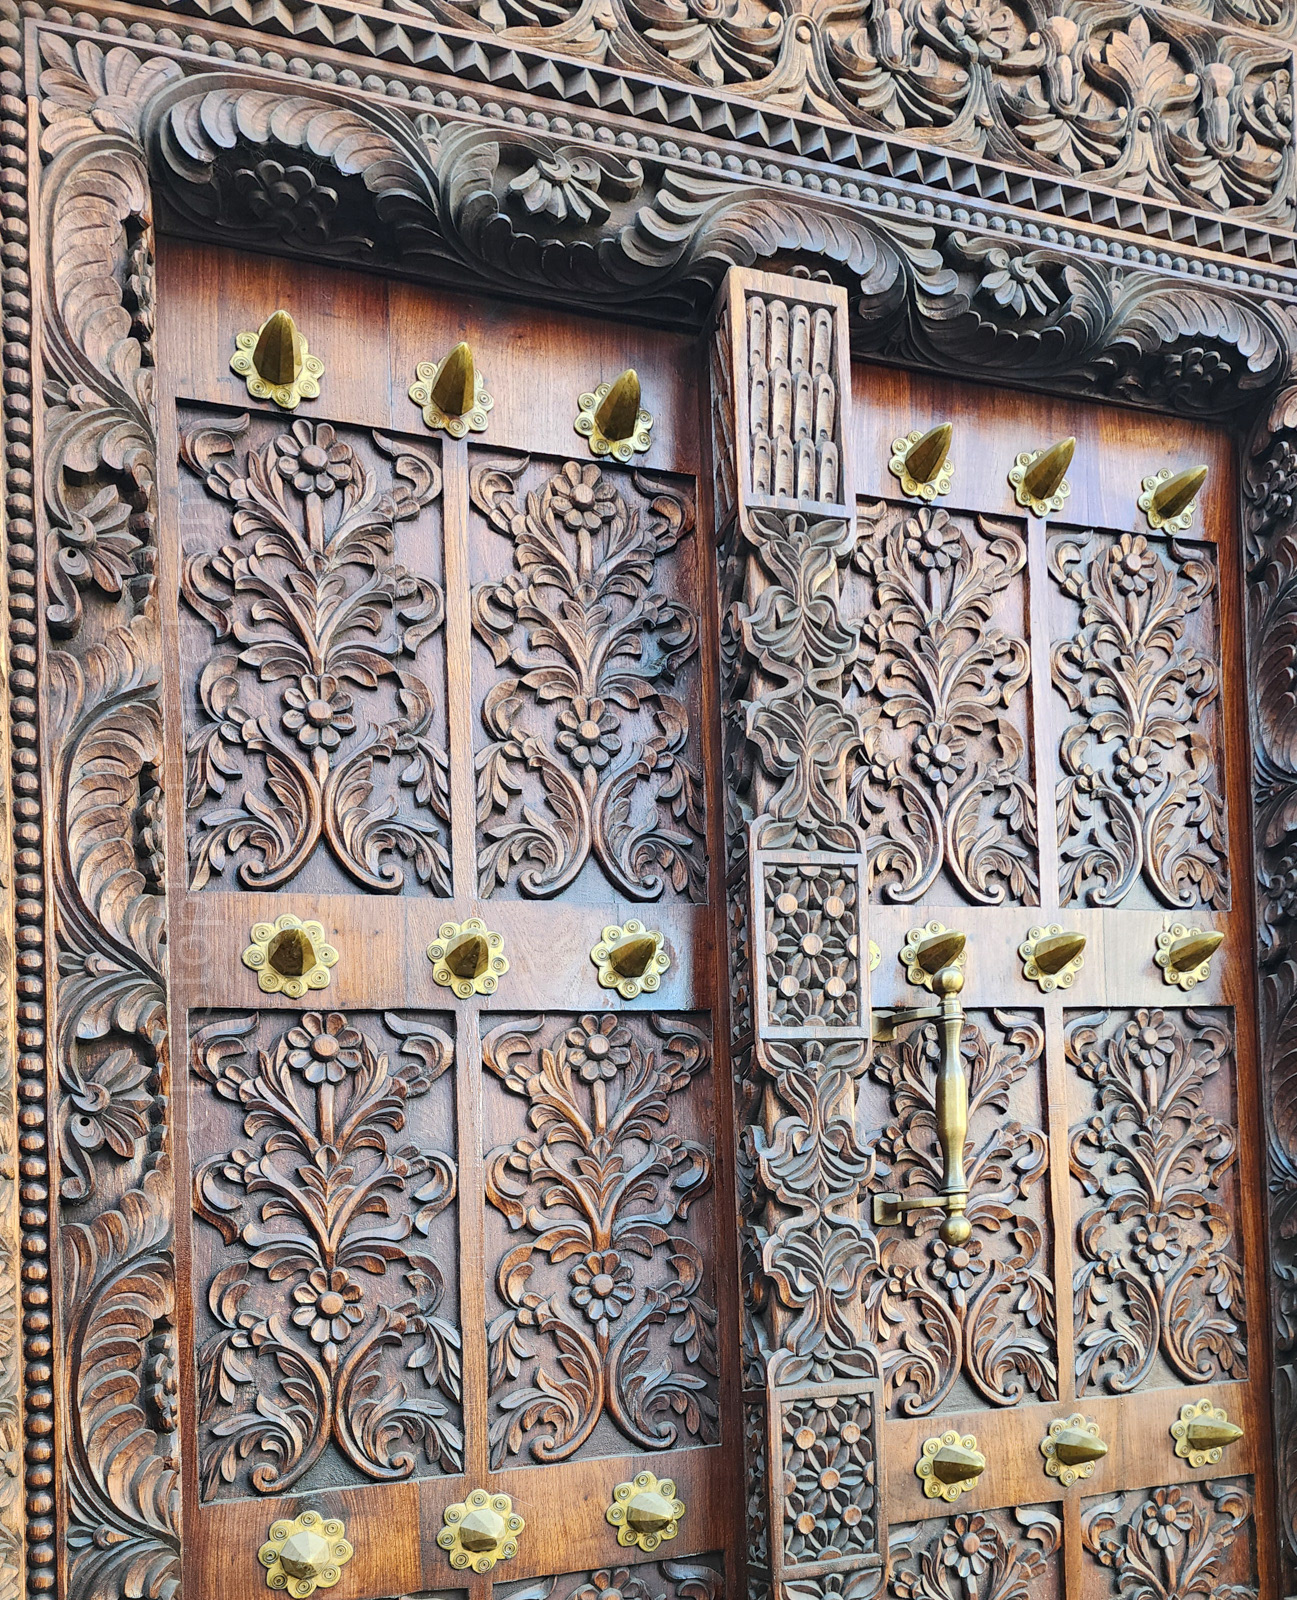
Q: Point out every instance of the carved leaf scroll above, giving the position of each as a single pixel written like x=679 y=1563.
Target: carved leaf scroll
x=1014 y=1554
x=591 y=721
x=327 y=1352
x=1191 y=1541
x=317 y=720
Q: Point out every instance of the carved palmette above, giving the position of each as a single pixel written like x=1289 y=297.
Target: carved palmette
x=797 y=893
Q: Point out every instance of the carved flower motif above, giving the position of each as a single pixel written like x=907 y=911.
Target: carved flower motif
x=940 y=754
x=1192 y=375
x=564 y=186
x=930 y=540
x=1275 y=493
x=981 y=32
x=1157 y=1242
x=968 y=1546
x=602 y=1285
x=109 y=1102
x=98 y=546
x=583 y=497
x=957 y=1266
x=324 y=1049
x=588 y=733
x=318 y=712
x=611 y=1584
x=328 y=1306
x=1016 y=283
x=1137 y=768
x=1273 y=107
x=289 y=198
x=1133 y=564
x=315 y=458
x=598 y=1047
x=1167 y=1515
x=1150 y=1038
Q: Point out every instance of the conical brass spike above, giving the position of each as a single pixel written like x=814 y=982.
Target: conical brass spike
x=1180 y=490
x=455 y=390
x=631 y=956
x=1207 y=1434
x=1051 y=955
x=1075 y=1446
x=469 y=955
x=1042 y=478
x=953 y=1464
x=940 y=950
x=925 y=457
x=1191 y=951
x=278 y=356
x=618 y=411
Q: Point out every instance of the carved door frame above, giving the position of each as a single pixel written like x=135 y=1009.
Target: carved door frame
x=104 y=115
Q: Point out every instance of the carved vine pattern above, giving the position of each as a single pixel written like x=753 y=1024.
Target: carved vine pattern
x=310 y=598
x=945 y=777
x=325 y=1195
x=1185 y=1542
x=1134 y=676
x=592 y=643
x=601 y=1185
x=1158 y=1243
x=993 y=1555
x=985 y=1309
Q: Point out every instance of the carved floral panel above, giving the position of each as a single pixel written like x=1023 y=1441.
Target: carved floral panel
x=974 y=1324
x=1158 y=1280
x=943 y=782
x=589 y=756
x=696 y=1578
x=313 y=674
x=1190 y=1541
x=600 y=1235
x=1141 y=818
x=324 y=1249
x=829 y=1493
x=1013 y=1554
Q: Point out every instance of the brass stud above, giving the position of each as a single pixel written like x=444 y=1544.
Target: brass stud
x=645 y=1511
x=1051 y=957
x=612 y=419
x=468 y=958
x=1169 y=500
x=921 y=461
x=630 y=959
x=480 y=1530
x=1071 y=1448
x=1184 y=954
x=452 y=393
x=927 y=950
x=1201 y=1432
x=950 y=1465
x=1039 y=477
x=289 y=956
x=875 y=955
x=275 y=363
x=305 y=1554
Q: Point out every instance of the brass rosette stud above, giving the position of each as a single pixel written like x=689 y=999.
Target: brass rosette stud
x=468 y=958
x=930 y=948
x=613 y=420
x=875 y=955
x=921 y=461
x=1071 y=1448
x=289 y=956
x=452 y=394
x=950 y=1465
x=645 y=1511
x=1039 y=477
x=1051 y=957
x=1184 y=954
x=305 y=1554
x=481 y=1530
x=1169 y=499
x=630 y=959
x=275 y=363
x=1201 y=1432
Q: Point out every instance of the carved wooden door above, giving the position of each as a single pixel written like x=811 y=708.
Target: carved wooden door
x=429 y=1244
x=1053 y=740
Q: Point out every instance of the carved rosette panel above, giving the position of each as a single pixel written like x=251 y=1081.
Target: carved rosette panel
x=1002 y=1555
x=962 y=1326
x=808 y=910
x=1158 y=1285
x=315 y=716
x=1190 y=1541
x=698 y=1578
x=830 y=1489
x=943 y=785
x=324 y=1250
x=1141 y=815
x=589 y=757
x=602 y=1331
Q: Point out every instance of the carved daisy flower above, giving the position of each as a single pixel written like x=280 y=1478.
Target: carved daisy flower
x=583 y=497
x=1157 y=1242
x=314 y=458
x=603 y=1287
x=1167 y=1515
x=968 y=1546
x=930 y=540
x=982 y=32
x=611 y=1584
x=1137 y=768
x=324 y=1049
x=318 y=712
x=940 y=755
x=598 y=1047
x=1133 y=564
x=957 y=1266
x=1150 y=1038
x=588 y=733
x=328 y=1306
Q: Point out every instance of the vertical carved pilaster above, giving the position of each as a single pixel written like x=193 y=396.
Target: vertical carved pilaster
x=797 y=887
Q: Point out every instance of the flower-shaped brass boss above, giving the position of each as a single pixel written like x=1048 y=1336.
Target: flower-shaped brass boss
x=275 y=363
x=1184 y=954
x=1201 y=1432
x=1051 y=957
x=927 y=950
x=289 y=956
x=630 y=959
x=949 y=1465
x=305 y=1554
x=468 y=958
x=613 y=420
x=1039 y=480
x=1071 y=1448
x=452 y=394
x=921 y=462
x=480 y=1531
x=1169 y=499
x=645 y=1511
